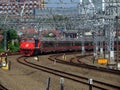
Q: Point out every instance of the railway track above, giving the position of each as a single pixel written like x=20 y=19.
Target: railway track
x=81 y=64
x=2 y=87
x=9 y=54
x=80 y=79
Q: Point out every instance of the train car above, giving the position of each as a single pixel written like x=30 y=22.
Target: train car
x=31 y=46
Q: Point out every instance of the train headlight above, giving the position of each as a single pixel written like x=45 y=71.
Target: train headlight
x=27 y=45
x=118 y=65
x=36 y=58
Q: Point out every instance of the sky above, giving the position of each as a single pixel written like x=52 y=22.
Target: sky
x=53 y=3
x=62 y=0
x=71 y=3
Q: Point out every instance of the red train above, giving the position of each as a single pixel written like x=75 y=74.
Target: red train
x=31 y=46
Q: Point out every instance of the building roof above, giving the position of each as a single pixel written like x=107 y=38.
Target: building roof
x=56 y=33
x=28 y=31
x=1 y=38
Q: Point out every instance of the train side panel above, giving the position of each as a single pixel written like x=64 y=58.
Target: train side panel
x=31 y=46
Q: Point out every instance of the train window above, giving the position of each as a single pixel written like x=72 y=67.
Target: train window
x=30 y=40
x=63 y=44
x=48 y=44
x=86 y=43
x=92 y=43
x=89 y=43
x=23 y=40
x=45 y=44
x=77 y=43
x=51 y=44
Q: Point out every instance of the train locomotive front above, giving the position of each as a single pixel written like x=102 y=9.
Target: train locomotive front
x=29 y=46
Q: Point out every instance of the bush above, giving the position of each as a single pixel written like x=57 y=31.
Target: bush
x=1 y=48
x=14 y=47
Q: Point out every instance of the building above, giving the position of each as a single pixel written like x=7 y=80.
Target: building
x=1 y=35
x=71 y=34
x=51 y=33
x=16 y=7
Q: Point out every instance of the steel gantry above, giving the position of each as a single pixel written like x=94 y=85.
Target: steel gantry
x=95 y=16
x=111 y=10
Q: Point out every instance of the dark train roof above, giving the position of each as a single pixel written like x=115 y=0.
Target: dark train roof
x=87 y=38
x=101 y=38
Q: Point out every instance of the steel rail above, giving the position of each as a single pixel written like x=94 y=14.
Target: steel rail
x=84 y=65
x=67 y=75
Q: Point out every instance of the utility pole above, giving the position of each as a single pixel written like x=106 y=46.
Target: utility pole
x=117 y=53
x=5 y=36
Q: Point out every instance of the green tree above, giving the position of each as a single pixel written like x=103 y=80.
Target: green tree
x=1 y=47
x=11 y=37
x=11 y=34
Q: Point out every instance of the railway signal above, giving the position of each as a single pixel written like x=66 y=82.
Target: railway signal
x=48 y=84
x=90 y=83
x=4 y=63
x=62 y=83
x=64 y=56
x=55 y=61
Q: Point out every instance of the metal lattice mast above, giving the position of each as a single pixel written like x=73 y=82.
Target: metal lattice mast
x=110 y=41
x=82 y=10
x=95 y=31
x=85 y=10
x=5 y=33
x=102 y=29
x=95 y=43
x=111 y=11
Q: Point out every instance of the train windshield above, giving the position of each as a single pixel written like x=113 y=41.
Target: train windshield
x=30 y=40
x=23 y=40
x=27 y=40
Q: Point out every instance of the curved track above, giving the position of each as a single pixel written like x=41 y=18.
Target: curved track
x=9 y=54
x=81 y=64
x=2 y=87
x=73 y=77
